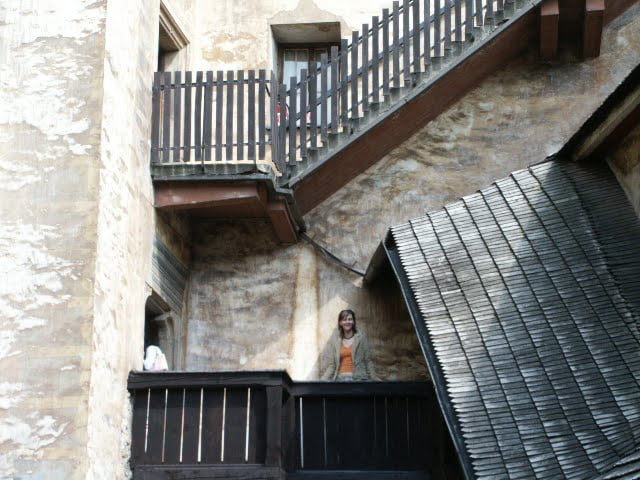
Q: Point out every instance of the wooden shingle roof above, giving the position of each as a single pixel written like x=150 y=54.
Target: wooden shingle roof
x=525 y=297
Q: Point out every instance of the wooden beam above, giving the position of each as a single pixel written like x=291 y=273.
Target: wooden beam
x=549 y=20
x=194 y=195
x=282 y=221
x=592 y=28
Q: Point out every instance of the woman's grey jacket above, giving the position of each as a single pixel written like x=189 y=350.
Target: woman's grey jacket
x=362 y=364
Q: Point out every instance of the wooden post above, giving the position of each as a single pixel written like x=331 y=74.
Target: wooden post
x=273 y=456
x=549 y=18
x=592 y=28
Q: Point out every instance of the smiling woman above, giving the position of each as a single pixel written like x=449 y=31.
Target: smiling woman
x=347 y=356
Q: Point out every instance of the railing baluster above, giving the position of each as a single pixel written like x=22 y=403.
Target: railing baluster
x=416 y=36
x=304 y=108
x=282 y=126
x=219 y=105
x=240 y=117
x=375 y=61
x=173 y=425
x=323 y=100
x=365 y=68
x=354 y=75
x=313 y=102
x=396 y=44
x=479 y=21
x=207 y=121
x=500 y=5
x=188 y=80
x=447 y=24
x=166 y=118
x=197 y=119
x=251 y=113
x=458 y=10
x=385 y=53
x=191 y=435
x=262 y=90
x=334 y=89
x=489 y=15
x=155 y=118
x=344 y=85
x=406 y=44
x=177 y=115
x=468 y=19
x=229 y=122
x=427 y=33
x=273 y=132
x=437 y=51
x=293 y=100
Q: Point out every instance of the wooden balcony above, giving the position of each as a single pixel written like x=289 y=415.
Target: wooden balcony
x=262 y=425
x=294 y=147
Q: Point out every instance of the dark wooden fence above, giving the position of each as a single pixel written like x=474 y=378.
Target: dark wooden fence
x=202 y=117
x=219 y=422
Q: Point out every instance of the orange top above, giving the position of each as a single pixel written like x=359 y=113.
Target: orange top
x=346 y=359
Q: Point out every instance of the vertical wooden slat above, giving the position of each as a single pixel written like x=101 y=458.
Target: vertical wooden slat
x=304 y=108
x=240 y=117
x=173 y=435
x=155 y=435
x=406 y=45
x=228 y=127
x=197 y=118
x=207 y=120
x=191 y=425
x=251 y=115
x=262 y=90
x=313 y=436
x=293 y=101
x=235 y=425
x=155 y=118
x=416 y=35
x=447 y=24
x=282 y=127
x=188 y=79
x=500 y=5
x=437 y=23
x=257 y=427
x=375 y=60
x=489 y=15
x=365 y=68
x=219 y=106
x=166 y=118
x=273 y=105
x=354 y=74
x=212 y=400
x=324 y=102
x=344 y=85
x=427 y=32
x=468 y=19
x=478 y=13
x=313 y=102
x=273 y=456
x=396 y=44
x=458 y=10
x=385 y=53
x=177 y=116
x=334 y=91
x=139 y=425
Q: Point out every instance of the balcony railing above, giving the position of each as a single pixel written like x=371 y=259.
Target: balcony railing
x=242 y=117
x=262 y=422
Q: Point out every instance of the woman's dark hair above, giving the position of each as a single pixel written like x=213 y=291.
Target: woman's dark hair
x=344 y=314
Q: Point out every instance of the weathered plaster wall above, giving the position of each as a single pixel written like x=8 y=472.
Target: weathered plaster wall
x=237 y=35
x=625 y=162
x=517 y=117
x=51 y=72
x=125 y=231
